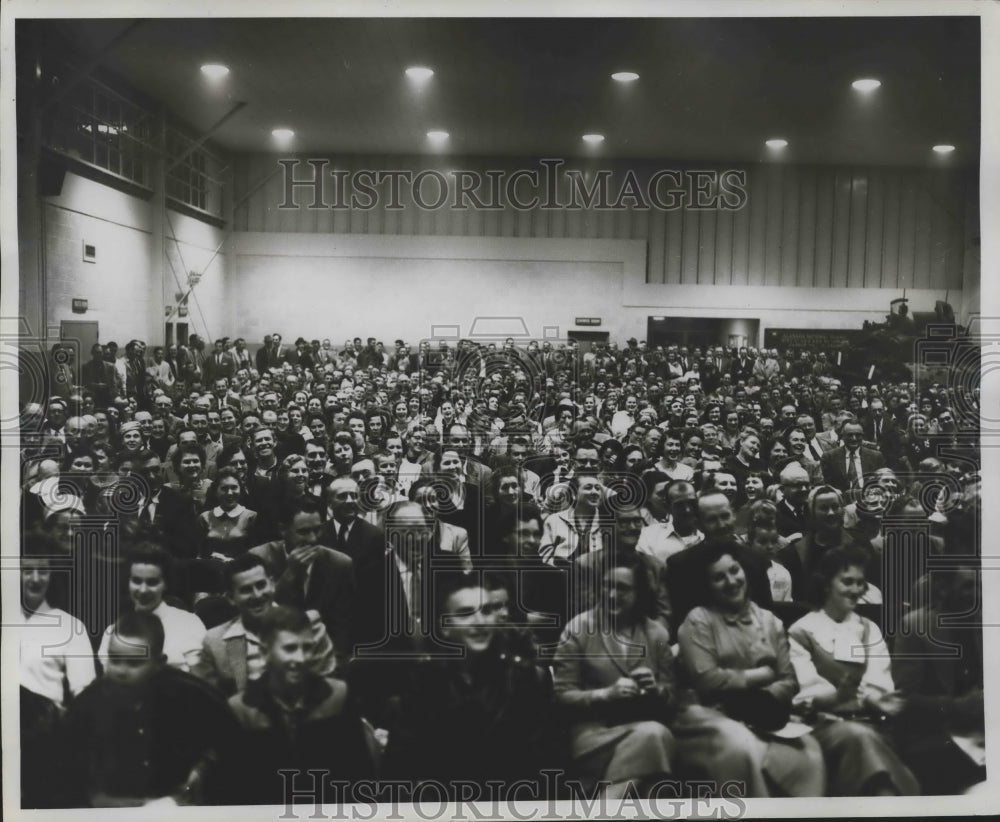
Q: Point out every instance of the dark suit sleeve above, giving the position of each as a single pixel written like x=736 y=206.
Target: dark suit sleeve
x=339 y=609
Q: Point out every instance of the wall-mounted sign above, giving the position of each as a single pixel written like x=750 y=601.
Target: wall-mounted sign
x=79 y=306
x=588 y=320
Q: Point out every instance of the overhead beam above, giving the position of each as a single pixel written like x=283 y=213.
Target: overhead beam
x=204 y=137
x=89 y=66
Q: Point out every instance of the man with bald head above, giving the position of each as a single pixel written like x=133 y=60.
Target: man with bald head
x=715 y=513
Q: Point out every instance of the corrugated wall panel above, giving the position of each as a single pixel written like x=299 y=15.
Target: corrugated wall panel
x=803 y=226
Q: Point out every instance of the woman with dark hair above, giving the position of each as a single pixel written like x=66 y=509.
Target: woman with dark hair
x=777 y=457
x=315 y=423
x=613 y=673
x=843 y=668
x=632 y=460
x=736 y=657
x=343 y=453
x=228 y=529
x=480 y=714
x=609 y=455
x=148 y=571
x=189 y=467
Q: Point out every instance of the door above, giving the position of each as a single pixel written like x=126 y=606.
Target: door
x=80 y=336
x=585 y=339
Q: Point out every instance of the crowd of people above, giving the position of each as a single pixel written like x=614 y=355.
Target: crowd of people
x=646 y=567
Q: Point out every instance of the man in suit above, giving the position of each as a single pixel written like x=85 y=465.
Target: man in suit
x=741 y=367
x=846 y=466
x=100 y=378
x=231 y=654
x=798 y=446
x=162 y=510
x=311 y=576
x=791 y=516
x=219 y=363
x=881 y=430
x=261 y=358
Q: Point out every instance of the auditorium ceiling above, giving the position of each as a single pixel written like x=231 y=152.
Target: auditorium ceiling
x=709 y=89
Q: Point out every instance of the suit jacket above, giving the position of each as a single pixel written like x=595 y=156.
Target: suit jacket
x=328 y=588
x=225 y=367
x=477 y=474
x=835 y=465
x=223 y=662
x=365 y=542
x=889 y=440
x=102 y=380
x=176 y=522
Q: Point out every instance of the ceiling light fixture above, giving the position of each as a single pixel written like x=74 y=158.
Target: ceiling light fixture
x=437 y=136
x=944 y=148
x=776 y=143
x=214 y=71
x=625 y=76
x=419 y=73
x=282 y=133
x=866 y=85
x=593 y=138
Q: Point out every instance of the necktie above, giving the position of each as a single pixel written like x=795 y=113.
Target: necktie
x=814 y=451
x=852 y=469
x=877 y=428
x=342 y=537
x=584 y=546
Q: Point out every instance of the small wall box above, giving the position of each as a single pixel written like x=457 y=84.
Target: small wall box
x=79 y=306
x=89 y=252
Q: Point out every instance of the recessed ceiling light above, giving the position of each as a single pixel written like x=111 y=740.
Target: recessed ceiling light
x=214 y=71
x=944 y=148
x=593 y=138
x=625 y=76
x=282 y=133
x=867 y=84
x=437 y=136
x=776 y=142
x=419 y=73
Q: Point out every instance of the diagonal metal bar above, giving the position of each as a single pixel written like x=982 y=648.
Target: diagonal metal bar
x=89 y=66
x=203 y=139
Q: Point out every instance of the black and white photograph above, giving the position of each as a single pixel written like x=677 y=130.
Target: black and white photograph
x=526 y=411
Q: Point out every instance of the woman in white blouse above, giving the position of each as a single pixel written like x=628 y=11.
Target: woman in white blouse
x=844 y=673
x=148 y=568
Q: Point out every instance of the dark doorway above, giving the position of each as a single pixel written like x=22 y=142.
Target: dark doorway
x=585 y=339
x=701 y=332
x=80 y=336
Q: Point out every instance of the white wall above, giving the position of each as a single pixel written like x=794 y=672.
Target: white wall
x=339 y=286
x=127 y=287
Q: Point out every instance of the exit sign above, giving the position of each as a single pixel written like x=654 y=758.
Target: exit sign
x=588 y=320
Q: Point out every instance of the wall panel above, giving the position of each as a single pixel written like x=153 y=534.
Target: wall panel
x=801 y=226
